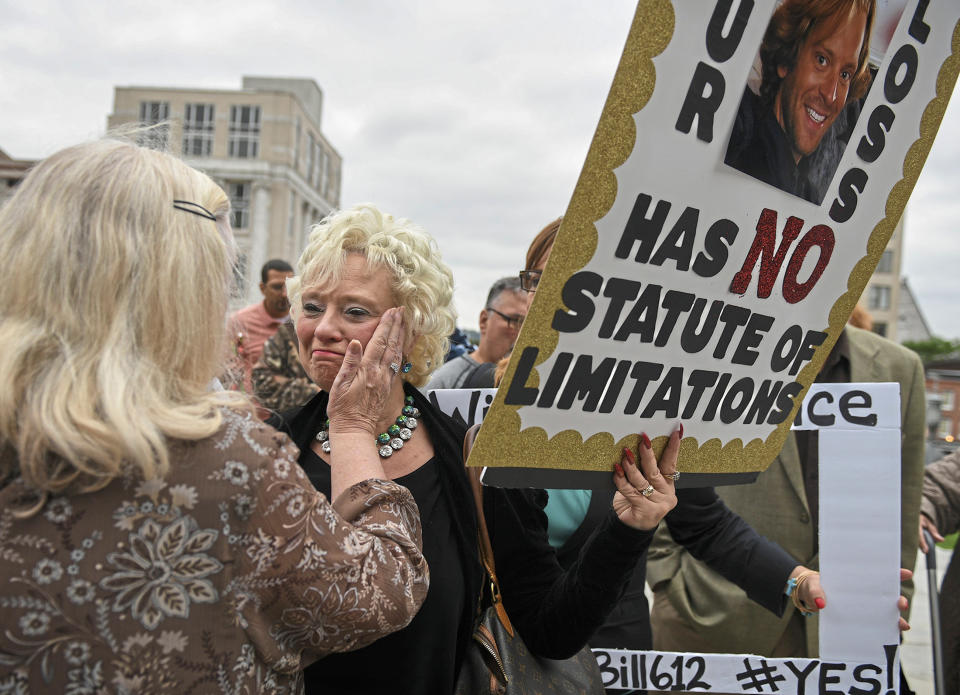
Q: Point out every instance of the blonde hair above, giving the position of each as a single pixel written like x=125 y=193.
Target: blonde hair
x=111 y=315
x=422 y=282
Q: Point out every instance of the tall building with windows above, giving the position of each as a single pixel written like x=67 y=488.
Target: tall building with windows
x=262 y=143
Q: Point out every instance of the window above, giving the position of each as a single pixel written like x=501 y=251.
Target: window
x=198 y=130
x=311 y=147
x=296 y=145
x=324 y=169
x=947 y=400
x=291 y=209
x=321 y=167
x=244 y=141
x=240 y=277
x=328 y=178
x=880 y=328
x=944 y=429
x=152 y=113
x=886 y=262
x=879 y=297
x=333 y=180
x=239 y=204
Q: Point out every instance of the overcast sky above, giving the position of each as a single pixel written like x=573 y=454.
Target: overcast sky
x=471 y=119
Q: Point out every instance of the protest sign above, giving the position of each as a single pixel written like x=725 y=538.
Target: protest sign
x=859 y=436
x=466 y=406
x=717 y=238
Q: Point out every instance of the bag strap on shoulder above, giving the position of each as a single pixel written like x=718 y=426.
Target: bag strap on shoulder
x=483 y=536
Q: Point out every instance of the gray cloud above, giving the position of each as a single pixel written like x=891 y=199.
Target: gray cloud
x=931 y=255
x=473 y=120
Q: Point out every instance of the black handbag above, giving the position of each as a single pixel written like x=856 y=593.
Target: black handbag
x=497 y=661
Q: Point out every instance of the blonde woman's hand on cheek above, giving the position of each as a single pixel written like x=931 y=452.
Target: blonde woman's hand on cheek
x=363 y=384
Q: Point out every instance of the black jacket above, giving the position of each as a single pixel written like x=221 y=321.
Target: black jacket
x=711 y=532
x=555 y=609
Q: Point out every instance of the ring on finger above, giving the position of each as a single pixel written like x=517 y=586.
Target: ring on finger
x=673 y=476
x=647 y=491
x=395 y=367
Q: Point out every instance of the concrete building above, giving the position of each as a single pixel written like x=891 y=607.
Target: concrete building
x=262 y=143
x=912 y=326
x=11 y=172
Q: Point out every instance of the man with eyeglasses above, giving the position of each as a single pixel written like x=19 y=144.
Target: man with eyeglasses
x=500 y=322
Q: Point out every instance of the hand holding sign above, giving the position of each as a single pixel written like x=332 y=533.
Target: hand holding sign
x=645 y=493
x=809 y=591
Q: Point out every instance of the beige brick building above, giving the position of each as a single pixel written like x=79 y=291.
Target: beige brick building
x=263 y=144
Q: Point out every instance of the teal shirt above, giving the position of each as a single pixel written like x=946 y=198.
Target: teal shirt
x=566 y=510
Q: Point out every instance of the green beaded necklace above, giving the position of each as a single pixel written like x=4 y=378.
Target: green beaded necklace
x=387 y=442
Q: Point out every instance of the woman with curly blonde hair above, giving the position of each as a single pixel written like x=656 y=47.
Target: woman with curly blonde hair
x=359 y=264
x=155 y=535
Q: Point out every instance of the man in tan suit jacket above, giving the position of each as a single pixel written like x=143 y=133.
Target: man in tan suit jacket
x=695 y=609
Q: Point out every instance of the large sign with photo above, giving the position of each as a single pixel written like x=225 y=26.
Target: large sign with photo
x=751 y=163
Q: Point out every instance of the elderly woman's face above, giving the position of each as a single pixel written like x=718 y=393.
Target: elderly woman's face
x=332 y=316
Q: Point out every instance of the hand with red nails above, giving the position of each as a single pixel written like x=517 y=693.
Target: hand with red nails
x=633 y=479
x=810 y=592
x=812 y=596
x=902 y=602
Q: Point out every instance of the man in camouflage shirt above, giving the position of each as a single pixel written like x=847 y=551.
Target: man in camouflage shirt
x=279 y=381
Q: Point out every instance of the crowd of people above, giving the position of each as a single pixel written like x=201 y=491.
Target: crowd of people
x=266 y=501
x=136 y=496
x=158 y=536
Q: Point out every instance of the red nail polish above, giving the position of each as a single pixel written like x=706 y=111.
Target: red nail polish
x=820 y=602
x=645 y=439
x=630 y=457
x=681 y=430
x=618 y=468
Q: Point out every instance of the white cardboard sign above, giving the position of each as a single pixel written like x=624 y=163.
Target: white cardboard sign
x=859 y=440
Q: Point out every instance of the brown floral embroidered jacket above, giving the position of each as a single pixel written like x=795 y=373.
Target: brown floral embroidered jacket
x=228 y=576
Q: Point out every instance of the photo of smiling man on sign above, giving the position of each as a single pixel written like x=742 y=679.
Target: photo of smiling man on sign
x=814 y=63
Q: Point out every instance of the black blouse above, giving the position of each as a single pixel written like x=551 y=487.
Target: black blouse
x=381 y=667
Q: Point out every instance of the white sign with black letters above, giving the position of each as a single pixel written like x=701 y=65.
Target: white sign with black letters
x=859 y=446
x=717 y=240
